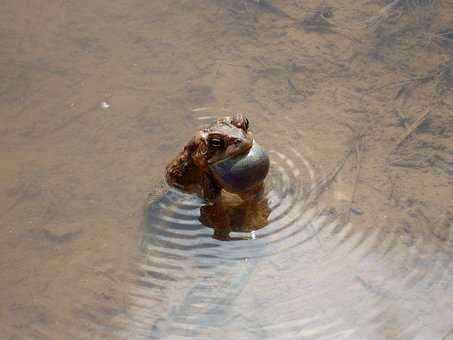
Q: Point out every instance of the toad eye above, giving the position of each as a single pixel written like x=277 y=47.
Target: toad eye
x=246 y=124
x=216 y=143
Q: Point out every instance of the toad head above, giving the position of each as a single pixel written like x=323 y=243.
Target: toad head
x=226 y=139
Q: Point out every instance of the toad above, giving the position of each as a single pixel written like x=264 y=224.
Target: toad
x=224 y=156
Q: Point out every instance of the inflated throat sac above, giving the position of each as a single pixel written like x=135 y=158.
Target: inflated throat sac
x=244 y=172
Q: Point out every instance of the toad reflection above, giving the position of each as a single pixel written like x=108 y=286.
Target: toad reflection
x=230 y=214
x=224 y=156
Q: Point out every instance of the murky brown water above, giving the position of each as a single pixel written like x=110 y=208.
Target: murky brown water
x=354 y=102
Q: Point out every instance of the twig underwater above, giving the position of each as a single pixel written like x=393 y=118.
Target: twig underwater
x=383 y=14
x=411 y=129
x=327 y=180
x=358 y=167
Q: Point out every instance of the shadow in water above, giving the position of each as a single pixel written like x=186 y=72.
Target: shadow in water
x=231 y=214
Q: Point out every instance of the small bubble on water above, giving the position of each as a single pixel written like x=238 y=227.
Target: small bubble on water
x=104 y=105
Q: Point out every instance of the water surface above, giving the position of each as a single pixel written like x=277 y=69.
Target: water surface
x=353 y=101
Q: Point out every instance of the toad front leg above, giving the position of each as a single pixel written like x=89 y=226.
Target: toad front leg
x=210 y=190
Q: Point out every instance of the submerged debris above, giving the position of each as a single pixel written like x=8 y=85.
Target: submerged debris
x=268 y=6
x=444 y=38
x=318 y=20
x=411 y=3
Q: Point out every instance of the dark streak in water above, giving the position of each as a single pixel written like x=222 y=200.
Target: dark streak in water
x=230 y=281
x=47 y=235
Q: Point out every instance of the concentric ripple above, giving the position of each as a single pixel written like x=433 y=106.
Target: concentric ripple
x=173 y=226
x=306 y=275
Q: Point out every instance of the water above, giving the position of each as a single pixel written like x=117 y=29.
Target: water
x=352 y=101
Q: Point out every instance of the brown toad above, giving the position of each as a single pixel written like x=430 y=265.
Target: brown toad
x=222 y=156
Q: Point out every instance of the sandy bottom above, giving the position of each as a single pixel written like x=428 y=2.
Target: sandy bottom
x=96 y=98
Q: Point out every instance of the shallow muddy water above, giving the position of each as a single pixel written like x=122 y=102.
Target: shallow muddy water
x=353 y=101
